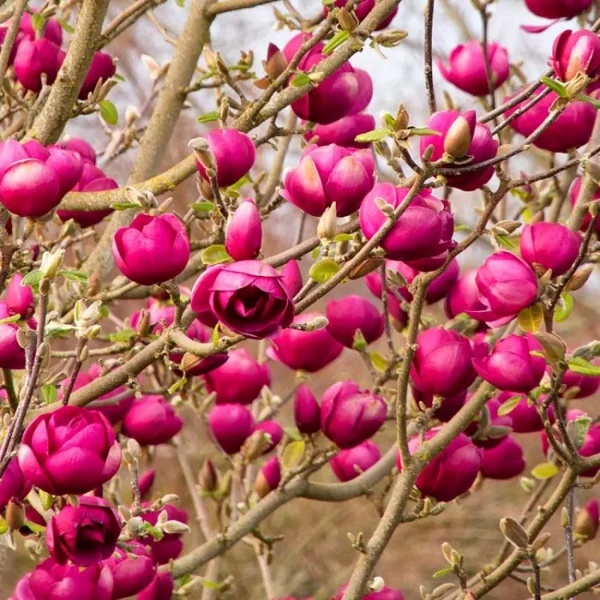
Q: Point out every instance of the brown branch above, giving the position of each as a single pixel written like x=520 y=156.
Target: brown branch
x=11 y=36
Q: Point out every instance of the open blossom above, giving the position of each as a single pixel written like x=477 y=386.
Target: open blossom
x=84 y=534
x=352 y=314
x=572 y=129
x=52 y=581
x=34 y=179
x=350 y=416
x=476 y=140
x=332 y=98
x=243 y=236
x=503 y=461
x=576 y=52
x=37 y=57
x=239 y=380
x=511 y=367
x=329 y=174
x=249 y=297
x=308 y=351
x=423 y=231
x=152 y=421
x=152 y=249
x=452 y=472
x=132 y=570
x=102 y=68
x=558 y=9
x=506 y=285
x=234 y=155
x=349 y=464
x=463 y=298
x=551 y=245
x=467 y=69
x=231 y=425
x=72 y=450
x=442 y=362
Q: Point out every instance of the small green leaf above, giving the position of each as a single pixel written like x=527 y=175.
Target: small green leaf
x=108 y=112
x=57 y=329
x=343 y=237
x=555 y=86
x=442 y=572
x=315 y=253
x=239 y=184
x=389 y=120
x=180 y=3
x=37 y=21
x=209 y=117
x=46 y=499
x=323 y=270
x=582 y=426
x=49 y=394
x=577 y=364
x=564 y=308
x=359 y=343
x=156 y=533
x=461 y=227
x=590 y=100
x=508 y=242
x=422 y=131
x=125 y=205
x=292 y=455
x=119 y=77
x=507 y=407
x=65 y=25
x=531 y=319
x=214 y=255
x=335 y=42
x=11 y=319
x=544 y=471
x=203 y=206
x=373 y=136
x=328 y=2
x=293 y=433
x=211 y=585
x=378 y=361
x=177 y=385
x=300 y=80
x=124 y=335
x=214 y=338
x=78 y=276
x=32 y=278
x=3 y=526
x=39 y=529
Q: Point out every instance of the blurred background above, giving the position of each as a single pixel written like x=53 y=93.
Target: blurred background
x=315 y=556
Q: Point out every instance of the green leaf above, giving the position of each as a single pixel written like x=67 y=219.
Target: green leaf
x=531 y=319
x=32 y=278
x=293 y=433
x=156 y=534
x=300 y=80
x=507 y=407
x=292 y=455
x=544 y=471
x=211 y=585
x=315 y=253
x=461 y=227
x=78 y=276
x=590 y=100
x=11 y=319
x=65 y=25
x=323 y=270
x=359 y=343
x=422 y=131
x=49 y=394
x=214 y=255
x=180 y=3
x=125 y=205
x=343 y=237
x=373 y=136
x=378 y=361
x=108 y=112
x=239 y=184
x=389 y=120
x=577 y=364
x=3 y=526
x=37 y=21
x=121 y=336
x=582 y=426
x=119 y=77
x=203 y=206
x=209 y=117
x=328 y=2
x=442 y=572
x=177 y=385
x=46 y=499
x=57 y=329
x=508 y=242
x=335 y=42
x=214 y=338
x=564 y=307
x=35 y=527
x=555 y=86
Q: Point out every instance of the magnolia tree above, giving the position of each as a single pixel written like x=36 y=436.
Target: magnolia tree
x=87 y=395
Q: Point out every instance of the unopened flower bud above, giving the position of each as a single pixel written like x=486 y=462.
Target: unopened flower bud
x=390 y=39
x=276 y=62
x=402 y=119
x=580 y=278
x=175 y=527
x=347 y=20
x=586 y=523
x=327 y=226
x=134 y=449
x=143 y=324
x=208 y=476
x=15 y=515
x=255 y=446
x=377 y=584
x=151 y=65
x=51 y=263
x=202 y=151
x=135 y=526
x=268 y=477
x=460 y=134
